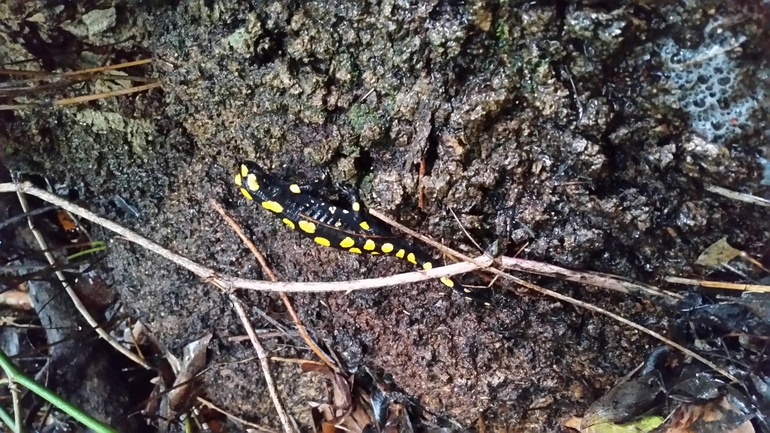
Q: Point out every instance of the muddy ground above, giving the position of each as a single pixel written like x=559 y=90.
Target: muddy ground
x=578 y=134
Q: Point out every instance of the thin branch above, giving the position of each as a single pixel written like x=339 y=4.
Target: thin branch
x=557 y=295
x=284 y=297
x=264 y=363
x=261 y=353
x=71 y=73
x=596 y=279
x=470 y=264
x=15 y=219
x=73 y=296
x=16 y=406
x=738 y=196
x=228 y=282
x=719 y=284
x=84 y=98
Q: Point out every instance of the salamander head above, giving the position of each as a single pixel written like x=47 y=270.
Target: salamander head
x=250 y=178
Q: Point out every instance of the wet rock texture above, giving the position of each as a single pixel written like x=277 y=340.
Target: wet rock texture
x=562 y=132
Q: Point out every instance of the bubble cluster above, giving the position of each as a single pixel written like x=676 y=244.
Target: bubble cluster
x=705 y=83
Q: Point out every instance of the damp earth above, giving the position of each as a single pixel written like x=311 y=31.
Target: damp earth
x=577 y=134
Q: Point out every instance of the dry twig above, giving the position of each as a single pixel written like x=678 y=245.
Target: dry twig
x=75 y=299
x=556 y=295
x=229 y=282
x=69 y=78
x=263 y=361
x=284 y=297
x=470 y=264
x=719 y=284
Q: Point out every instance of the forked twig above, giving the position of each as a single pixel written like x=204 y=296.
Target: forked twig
x=284 y=297
x=556 y=295
x=230 y=282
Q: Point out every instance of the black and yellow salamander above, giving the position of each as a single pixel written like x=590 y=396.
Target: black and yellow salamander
x=302 y=209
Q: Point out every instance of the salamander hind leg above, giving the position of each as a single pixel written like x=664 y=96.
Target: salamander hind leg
x=420 y=259
x=465 y=292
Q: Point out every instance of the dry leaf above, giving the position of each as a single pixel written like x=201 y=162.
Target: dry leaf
x=719 y=253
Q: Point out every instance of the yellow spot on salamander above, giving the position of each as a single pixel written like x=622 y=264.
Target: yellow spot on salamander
x=369 y=245
x=338 y=224
x=289 y=223
x=322 y=241
x=355 y=250
x=364 y=225
x=427 y=266
x=272 y=206
x=356 y=207
x=347 y=242
x=375 y=253
x=411 y=258
x=294 y=188
x=244 y=170
x=251 y=182
x=447 y=282
x=246 y=194
x=307 y=226
x=238 y=179
x=400 y=254
x=386 y=247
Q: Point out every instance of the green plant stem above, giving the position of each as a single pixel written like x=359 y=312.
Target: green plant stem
x=6 y=418
x=19 y=378
x=96 y=246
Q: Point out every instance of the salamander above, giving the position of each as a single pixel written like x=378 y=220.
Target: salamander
x=350 y=228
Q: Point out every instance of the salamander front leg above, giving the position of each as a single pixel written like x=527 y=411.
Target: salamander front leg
x=359 y=216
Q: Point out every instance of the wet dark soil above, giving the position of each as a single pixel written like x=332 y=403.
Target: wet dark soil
x=548 y=127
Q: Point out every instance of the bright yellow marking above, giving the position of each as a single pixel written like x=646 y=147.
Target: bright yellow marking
x=273 y=206
x=411 y=258
x=322 y=241
x=447 y=281
x=238 y=179
x=244 y=170
x=289 y=223
x=386 y=247
x=364 y=225
x=294 y=188
x=347 y=242
x=467 y=290
x=427 y=266
x=400 y=254
x=307 y=226
x=369 y=245
x=338 y=224
x=246 y=194
x=375 y=253
x=355 y=250
x=356 y=207
x=251 y=182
